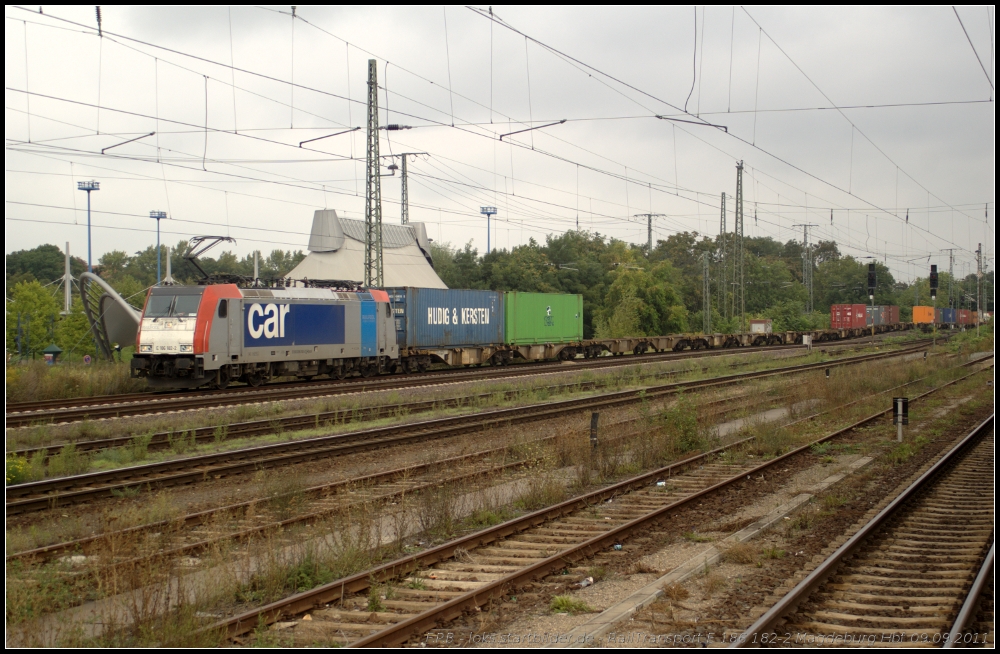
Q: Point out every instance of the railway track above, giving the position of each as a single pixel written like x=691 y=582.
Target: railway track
x=166 y=440
x=117 y=406
x=912 y=575
x=48 y=493
x=250 y=518
x=392 y=603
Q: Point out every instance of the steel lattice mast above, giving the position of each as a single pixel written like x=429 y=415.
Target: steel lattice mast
x=738 y=272
x=706 y=291
x=404 y=195
x=723 y=305
x=373 y=190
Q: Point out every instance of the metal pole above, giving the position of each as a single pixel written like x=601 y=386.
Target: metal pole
x=373 y=188
x=723 y=284
x=90 y=267
x=738 y=233
x=934 y=321
x=67 y=285
x=899 y=421
x=873 y=319
x=159 y=255
x=706 y=291
x=487 y=233
x=404 y=199
x=256 y=266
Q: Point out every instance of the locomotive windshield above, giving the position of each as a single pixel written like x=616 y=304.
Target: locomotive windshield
x=172 y=304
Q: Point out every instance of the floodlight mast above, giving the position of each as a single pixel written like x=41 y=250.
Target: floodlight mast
x=88 y=187
x=488 y=211
x=158 y=216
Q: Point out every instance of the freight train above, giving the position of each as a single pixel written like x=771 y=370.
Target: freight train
x=215 y=334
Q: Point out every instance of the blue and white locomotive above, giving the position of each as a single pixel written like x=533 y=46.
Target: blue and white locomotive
x=191 y=336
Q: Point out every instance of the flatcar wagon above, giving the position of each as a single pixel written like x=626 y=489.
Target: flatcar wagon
x=191 y=336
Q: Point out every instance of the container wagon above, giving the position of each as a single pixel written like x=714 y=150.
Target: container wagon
x=543 y=325
x=454 y=326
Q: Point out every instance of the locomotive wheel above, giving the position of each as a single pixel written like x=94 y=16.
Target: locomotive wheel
x=255 y=379
x=367 y=371
x=340 y=374
x=222 y=379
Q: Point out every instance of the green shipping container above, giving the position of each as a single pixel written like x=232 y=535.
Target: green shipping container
x=532 y=318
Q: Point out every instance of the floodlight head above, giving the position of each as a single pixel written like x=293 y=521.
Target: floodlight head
x=487 y=210
x=88 y=186
x=158 y=215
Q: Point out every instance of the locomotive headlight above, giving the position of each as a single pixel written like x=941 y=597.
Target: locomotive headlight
x=145 y=348
x=187 y=348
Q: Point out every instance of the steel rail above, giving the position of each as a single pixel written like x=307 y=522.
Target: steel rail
x=966 y=615
x=33 y=496
x=400 y=632
x=766 y=623
x=87 y=544
x=115 y=406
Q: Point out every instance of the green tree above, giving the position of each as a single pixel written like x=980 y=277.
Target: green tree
x=73 y=332
x=32 y=312
x=45 y=263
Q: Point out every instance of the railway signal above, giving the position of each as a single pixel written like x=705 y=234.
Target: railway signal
x=871 y=281
x=934 y=282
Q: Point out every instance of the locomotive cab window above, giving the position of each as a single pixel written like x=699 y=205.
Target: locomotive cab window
x=223 y=308
x=388 y=310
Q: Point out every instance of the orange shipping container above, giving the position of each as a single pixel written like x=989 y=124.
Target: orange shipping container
x=923 y=315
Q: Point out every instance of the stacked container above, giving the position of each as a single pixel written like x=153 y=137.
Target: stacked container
x=847 y=316
x=534 y=318
x=760 y=326
x=444 y=318
x=923 y=315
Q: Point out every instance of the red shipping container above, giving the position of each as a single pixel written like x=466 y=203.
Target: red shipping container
x=964 y=317
x=847 y=316
x=893 y=317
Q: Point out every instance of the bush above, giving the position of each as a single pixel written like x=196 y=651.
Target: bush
x=17 y=470
x=566 y=604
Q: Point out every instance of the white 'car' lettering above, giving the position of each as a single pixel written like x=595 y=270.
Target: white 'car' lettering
x=274 y=323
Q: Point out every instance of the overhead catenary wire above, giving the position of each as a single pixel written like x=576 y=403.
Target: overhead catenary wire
x=658 y=189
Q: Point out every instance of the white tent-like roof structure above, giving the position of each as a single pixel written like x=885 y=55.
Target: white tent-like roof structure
x=337 y=251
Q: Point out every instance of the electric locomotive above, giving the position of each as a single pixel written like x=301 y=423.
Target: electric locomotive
x=191 y=336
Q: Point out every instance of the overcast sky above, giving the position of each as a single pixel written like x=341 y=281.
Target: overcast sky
x=268 y=81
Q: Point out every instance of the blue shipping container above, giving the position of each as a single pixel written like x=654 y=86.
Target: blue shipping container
x=440 y=318
x=949 y=316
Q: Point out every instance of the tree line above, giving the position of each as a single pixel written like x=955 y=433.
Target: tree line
x=627 y=289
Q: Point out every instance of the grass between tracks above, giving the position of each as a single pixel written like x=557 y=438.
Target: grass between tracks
x=476 y=397
x=754 y=570
x=244 y=575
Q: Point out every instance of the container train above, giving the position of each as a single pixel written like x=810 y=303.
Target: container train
x=215 y=334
